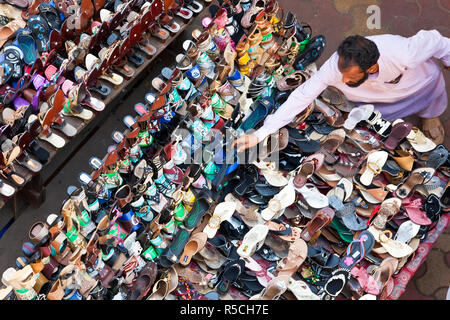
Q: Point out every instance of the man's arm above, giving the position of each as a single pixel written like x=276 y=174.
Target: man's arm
x=298 y=101
x=424 y=45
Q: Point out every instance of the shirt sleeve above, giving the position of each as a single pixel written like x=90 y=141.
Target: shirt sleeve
x=424 y=45
x=299 y=99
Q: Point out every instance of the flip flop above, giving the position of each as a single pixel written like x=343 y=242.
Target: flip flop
x=343 y=190
x=357 y=250
x=307 y=168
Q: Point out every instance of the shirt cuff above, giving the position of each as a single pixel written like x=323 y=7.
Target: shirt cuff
x=262 y=133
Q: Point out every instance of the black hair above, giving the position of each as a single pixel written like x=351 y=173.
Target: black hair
x=357 y=50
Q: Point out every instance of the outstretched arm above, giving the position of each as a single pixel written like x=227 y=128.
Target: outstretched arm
x=424 y=45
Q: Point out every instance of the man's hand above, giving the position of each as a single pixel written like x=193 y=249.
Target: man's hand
x=245 y=142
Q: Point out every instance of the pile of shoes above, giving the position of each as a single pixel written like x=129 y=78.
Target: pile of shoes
x=60 y=60
x=173 y=212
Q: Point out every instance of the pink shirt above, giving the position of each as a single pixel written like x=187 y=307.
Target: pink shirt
x=412 y=57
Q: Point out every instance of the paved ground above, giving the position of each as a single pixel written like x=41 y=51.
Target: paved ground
x=333 y=18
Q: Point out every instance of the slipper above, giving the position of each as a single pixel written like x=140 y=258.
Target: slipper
x=335 y=97
x=302 y=141
x=347 y=213
x=268 y=254
x=40 y=30
x=419 y=141
x=5 y=189
x=433 y=207
x=248 y=177
x=301 y=290
x=232 y=271
x=357 y=250
x=406 y=232
x=400 y=130
x=279 y=202
x=395 y=248
x=262 y=275
x=414 y=244
x=417 y=177
x=437 y=157
x=222 y=212
x=383 y=273
x=283 y=230
x=307 y=168
x=415 y=212
x=330 y=145
x=343 y=190
x=27 y=43
x=375 y=192
x=321 y=219
x=357 y=115
x=249 y=215
x=170 y=255
x=323 y=257
x=374 y=165
x=365 y=281
x=167 y=283
x=297 y=254
x=9 y=30
x=336 y=283
x=275 y=288
x=388 y=209
x=272 y=176
x=264 y=189
x=195 y=244
x=261 y=109
x=211 y=257
x=312 y=196
x=253 y=240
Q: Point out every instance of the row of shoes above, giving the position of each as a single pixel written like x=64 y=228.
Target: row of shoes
x=139 y=207
x=342 y=211
x=60 y=61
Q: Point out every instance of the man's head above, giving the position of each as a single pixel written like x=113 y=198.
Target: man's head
x=358 y=58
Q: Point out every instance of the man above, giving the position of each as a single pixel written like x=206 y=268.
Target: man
x=398 y=75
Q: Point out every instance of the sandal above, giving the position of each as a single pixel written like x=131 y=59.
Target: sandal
x=417 y=177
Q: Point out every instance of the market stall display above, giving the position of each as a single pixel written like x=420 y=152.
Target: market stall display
x=342 y=213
